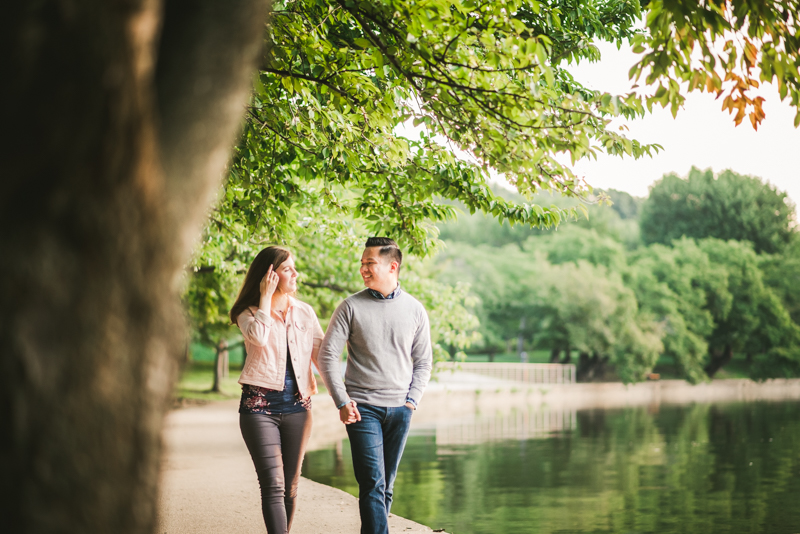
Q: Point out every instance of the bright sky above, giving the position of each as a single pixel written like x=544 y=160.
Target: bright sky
x=702 y=135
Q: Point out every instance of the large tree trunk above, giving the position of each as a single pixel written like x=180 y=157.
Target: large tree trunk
x=567 y=355
x=590 y=367
x=94 y=237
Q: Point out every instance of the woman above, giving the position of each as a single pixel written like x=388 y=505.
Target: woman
x=282 y=337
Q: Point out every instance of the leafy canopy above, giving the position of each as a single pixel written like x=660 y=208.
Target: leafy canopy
x=727 y=206
x=487 y=79
x=727 y=47
x=326 y=156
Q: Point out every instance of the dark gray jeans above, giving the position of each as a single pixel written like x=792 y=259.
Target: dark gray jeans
x=277 y=444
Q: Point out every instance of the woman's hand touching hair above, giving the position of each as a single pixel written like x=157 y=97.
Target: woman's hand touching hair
x=267 y=288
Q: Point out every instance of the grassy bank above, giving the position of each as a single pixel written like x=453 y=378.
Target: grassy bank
x=197 y=379
x=195 y=384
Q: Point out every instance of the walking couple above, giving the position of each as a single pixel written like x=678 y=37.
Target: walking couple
x=387 y=336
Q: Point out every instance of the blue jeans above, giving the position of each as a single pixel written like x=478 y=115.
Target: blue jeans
x=377 y=443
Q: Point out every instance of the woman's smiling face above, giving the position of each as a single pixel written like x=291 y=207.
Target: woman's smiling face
x=287 y=276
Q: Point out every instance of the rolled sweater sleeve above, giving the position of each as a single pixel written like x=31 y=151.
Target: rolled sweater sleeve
x=422 y=358
x=330 y=352
x=255 y=327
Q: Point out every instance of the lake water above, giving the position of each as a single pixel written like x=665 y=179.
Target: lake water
x=699 y=468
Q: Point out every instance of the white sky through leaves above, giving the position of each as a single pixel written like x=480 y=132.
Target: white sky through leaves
x=702 y=135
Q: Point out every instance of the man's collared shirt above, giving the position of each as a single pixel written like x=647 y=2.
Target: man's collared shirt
x=378 y=295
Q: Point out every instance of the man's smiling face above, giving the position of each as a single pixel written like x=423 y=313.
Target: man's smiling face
x=377 y=272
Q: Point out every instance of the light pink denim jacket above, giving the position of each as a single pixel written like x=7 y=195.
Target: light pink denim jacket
x=266 y=341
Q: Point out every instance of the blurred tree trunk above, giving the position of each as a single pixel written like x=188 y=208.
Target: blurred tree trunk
x=119 y=119
x=220 y=365
x=521 y=338
x=719 y=359
x=590 y=367
x=567 y=355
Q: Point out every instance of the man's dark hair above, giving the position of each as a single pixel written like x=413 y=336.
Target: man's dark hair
x=389 y=249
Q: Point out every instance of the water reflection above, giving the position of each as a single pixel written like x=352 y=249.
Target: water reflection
x=517 y=425
x=700 y=468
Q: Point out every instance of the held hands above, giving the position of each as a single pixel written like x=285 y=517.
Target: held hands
x=349 y=413
x=268 y=284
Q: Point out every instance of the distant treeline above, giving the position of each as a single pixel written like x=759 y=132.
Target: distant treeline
x=704 y=269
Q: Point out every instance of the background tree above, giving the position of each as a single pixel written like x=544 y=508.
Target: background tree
x=728 y=206
x=684 y=291
x=208 y=301
x=782 y=275
x=626 y=205
x=756 y=321
x=602 y=321
x=705 y=300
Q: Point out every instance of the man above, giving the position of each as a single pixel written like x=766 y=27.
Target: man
x=389 y=361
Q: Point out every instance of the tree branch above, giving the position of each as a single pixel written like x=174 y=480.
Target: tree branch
x=328 y=285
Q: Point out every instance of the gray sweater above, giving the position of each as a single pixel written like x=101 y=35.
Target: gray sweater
x=389 y=355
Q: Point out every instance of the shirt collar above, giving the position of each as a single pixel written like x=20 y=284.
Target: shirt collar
x=289 y=308
x=378 y=295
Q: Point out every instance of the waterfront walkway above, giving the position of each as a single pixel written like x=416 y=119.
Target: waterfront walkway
x=209 y=485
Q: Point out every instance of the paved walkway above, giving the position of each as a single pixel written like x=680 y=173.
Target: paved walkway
x=209 y=485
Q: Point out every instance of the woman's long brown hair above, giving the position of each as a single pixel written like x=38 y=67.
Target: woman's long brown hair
x=250 y=294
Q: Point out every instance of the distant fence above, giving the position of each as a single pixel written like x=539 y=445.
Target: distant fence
x=528 y=373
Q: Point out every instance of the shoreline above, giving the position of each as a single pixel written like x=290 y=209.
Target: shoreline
x=608 y=394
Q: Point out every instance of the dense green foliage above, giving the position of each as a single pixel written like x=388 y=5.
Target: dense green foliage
x=782 y=274
x=728 y=206
x=586 y=289
x=723 y=47
x=320 y=146
x=488 y=78
x=323 y=161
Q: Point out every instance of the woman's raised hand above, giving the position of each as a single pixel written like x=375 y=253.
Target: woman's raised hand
x=268 y=283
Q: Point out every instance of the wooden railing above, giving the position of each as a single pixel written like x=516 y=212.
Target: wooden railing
x=528 y=373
